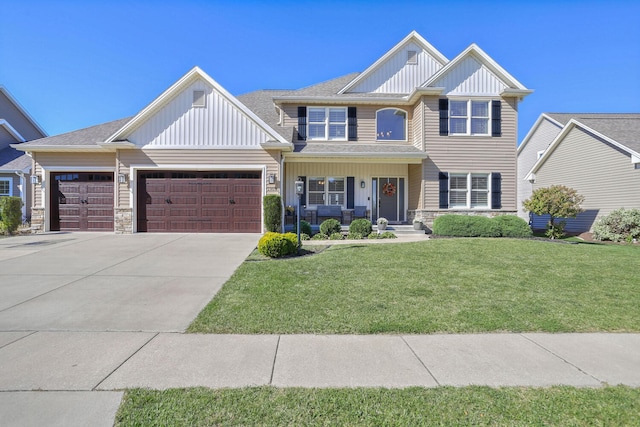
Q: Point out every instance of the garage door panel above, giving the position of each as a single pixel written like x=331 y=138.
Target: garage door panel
x=199 y=202
x=82 y=201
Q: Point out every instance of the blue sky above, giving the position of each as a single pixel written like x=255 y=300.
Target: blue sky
x=74 y=64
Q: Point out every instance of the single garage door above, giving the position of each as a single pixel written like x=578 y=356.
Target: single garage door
x=207 y=202
x=81 y=201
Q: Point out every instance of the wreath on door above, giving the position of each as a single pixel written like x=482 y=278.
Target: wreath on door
x=389 y=189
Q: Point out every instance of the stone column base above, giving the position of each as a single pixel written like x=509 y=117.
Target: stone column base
x=123 y=220
x=37 y=220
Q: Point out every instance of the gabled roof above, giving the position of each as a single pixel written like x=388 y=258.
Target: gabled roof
x=22 y=110
x=627 y=139
x=515 y=88
x=14 y=160
x=14 y=133
x=541 y=118
x=413 y=36
x=173 y=91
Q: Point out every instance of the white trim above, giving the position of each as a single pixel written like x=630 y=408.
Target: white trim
x=22 y=110
x=412 y=36
x=10 y=180
x=533 y=129
x=135 y=168
x=178 y=86
x=406 y=124
x=469 y=116
x=327 y=123
x=5 y=124
x=468 y=191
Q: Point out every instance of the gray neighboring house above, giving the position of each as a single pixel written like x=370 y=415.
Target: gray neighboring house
x=596 y=154
x=16 y=127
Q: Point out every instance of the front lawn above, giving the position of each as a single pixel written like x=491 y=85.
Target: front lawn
x=441 y=285
x=267 y=406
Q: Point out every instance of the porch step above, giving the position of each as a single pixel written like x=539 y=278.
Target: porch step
x=401 y=229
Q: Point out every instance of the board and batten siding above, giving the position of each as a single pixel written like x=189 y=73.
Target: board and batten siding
x=481 y=154
x=599 y=171
x=470 y=77
x=366 y=116
x=179 y=124
x=327 y=168
x=397 y=76
x=544 y=134
x=195 y=159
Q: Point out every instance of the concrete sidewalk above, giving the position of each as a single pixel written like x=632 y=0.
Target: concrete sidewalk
x=77 y=378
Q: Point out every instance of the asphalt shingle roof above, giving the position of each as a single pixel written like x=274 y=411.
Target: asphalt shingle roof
x=346 y=148
x=622 y=128
x=87 y=136
x=12 y=159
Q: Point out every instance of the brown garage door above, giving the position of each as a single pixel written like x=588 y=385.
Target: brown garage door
x=207 y=202
x=81 y=202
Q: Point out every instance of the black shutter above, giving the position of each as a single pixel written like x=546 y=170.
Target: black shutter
x=444 y=117
x=443 y=177
x=302 y=123
x=353 y=123
x=303 y=198
x=496 y=118
x=496 y=190
x=350 y=191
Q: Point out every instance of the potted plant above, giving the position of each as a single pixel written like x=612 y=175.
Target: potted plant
x=417 y=224
x=290 y=210
x=382 y=223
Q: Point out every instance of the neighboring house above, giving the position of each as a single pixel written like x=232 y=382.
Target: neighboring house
x=414 y=135
x=596 y=154
x=16 y=126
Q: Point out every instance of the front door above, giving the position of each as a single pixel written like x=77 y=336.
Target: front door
x=389 y=198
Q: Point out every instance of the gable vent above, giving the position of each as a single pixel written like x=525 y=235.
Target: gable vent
x=412 y=57
x=198 y=98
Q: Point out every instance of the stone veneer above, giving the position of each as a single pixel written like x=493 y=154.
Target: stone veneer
x=37 y=220
x=123 y=220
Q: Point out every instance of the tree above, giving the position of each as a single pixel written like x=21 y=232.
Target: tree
x=557 y=201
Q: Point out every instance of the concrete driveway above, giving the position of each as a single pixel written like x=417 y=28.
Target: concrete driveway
x=107 y=282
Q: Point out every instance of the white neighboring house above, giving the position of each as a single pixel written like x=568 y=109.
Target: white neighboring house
x=596 y=154
x=16 y=127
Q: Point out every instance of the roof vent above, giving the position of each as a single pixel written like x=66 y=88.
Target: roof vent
x=198 y=98
x=412 y=57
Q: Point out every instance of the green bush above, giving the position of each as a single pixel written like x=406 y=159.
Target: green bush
x=305 y=227
x=272 y=206
x=387 y=235
x=373 y=236
x=354 y=236
x=320 y=236
x=276 y=245
x=361 y=226
x=330 y=226
x=10 y=214
x=465 y=226
x=621 y=225
x=304 y=236
x=512 y=226
x=336 y=236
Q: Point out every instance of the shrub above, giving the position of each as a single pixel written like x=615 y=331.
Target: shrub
x=304 y=236
x=621 y=225
x=558 y=201
x=512 y=226
x=10 y=213
x=330 y=226
x=373 y=236
x=465 y=226
x=320 y=236
x=361 y=226
x=272 y=206
x=305 y=227
x=354 y=236
x=387 y=235
x=336 y=236
x=275 y=245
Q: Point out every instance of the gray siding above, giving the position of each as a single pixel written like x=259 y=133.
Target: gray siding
x=17 y=120
x=470 y=153
x=543 y=135
x=602 y=173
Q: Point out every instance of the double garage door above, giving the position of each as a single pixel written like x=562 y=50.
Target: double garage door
x=167 y=201
x=213 y=202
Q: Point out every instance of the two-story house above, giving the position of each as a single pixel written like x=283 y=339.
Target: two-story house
x=414 y=135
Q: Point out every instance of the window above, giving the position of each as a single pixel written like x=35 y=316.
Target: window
x=391 y=125
x=326 y=191
x=5 y=187
x=199 y=99
x=469 y=190
x=327 y=123
x=412 y=57
x=469 y=117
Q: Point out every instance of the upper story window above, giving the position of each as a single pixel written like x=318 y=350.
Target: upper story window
x=327 y=123
x=469 y=117
x=391 y=125
x=5 y=186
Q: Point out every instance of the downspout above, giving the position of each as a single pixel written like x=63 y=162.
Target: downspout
x=282 y=193
x=23 y=196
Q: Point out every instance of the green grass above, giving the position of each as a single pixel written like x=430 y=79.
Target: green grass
x=441 y=285
x=262 y=406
